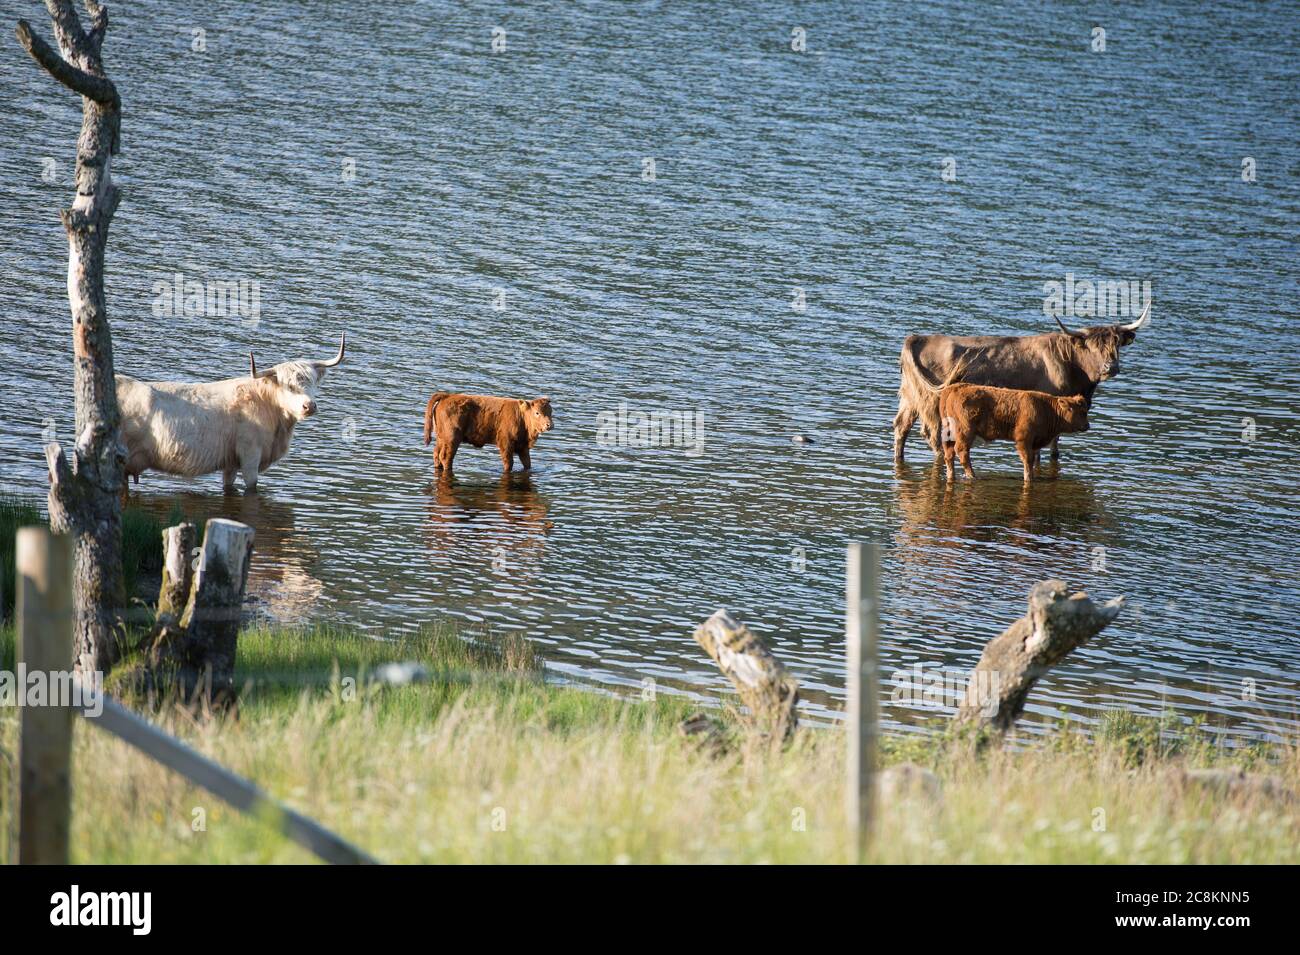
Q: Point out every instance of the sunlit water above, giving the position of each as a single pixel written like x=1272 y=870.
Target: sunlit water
x=525 y=171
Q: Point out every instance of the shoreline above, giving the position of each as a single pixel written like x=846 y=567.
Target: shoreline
x=484 y=761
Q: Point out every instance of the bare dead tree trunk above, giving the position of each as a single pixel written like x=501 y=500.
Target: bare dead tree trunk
x=84 y=494
x=1057 y=623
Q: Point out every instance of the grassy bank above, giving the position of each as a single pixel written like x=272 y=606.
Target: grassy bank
x=487 y=762
x=141 y=544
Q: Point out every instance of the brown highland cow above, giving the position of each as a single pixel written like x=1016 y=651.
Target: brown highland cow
x=1032 y=419
x=513 y=425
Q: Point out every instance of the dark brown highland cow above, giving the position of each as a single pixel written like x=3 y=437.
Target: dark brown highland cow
x=1068 y=362
x=513 y=425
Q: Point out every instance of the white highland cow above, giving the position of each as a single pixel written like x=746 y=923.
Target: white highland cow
x=239 y=424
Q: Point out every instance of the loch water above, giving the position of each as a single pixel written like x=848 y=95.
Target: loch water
x=665 y=207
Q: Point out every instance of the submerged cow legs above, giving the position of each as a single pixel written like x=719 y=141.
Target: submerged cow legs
x=248 y=466
x=903 y=422
x=1028 y=457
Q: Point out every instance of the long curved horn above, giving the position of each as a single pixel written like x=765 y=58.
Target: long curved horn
x=253 y=372
x=1062 y=324
x=343 y=338
x=1141 y=320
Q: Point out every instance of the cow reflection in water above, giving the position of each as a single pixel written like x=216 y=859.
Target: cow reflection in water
x=937 y=519
x=501 y=526
x=281 y=585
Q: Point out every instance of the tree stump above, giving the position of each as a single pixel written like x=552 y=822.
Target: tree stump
x=1012 y=662
x=178 y=569
x=770 y=694
x=195 y=655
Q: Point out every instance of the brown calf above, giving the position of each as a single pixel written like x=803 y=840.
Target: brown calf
x=509 y=423
x=1032 y=419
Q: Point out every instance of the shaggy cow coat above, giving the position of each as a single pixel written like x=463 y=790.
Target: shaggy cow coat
x=1032 y=419
x=513 y=425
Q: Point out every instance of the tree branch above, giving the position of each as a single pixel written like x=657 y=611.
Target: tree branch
x=63 y=489
x=98 y=88
x=98 y=25
x=67 y=30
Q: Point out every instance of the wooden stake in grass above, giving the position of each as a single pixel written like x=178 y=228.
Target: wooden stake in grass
x=45 y=628
x=765 y=688
x=862 y=641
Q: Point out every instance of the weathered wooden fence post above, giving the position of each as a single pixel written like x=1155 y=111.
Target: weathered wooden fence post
x=45 y=627
x=862 y=623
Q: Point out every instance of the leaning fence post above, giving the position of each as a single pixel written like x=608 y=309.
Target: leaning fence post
x=44 y=611
x=862 y=623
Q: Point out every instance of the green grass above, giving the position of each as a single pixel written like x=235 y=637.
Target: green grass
x=15 y=512
x=141 y=544
x=488 y=762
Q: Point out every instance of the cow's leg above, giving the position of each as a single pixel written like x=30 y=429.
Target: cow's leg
x=228 y=480
x=525 y=459
x=949 y=452
x=507 y=458
x=963 y=452
x=903 y=422
x=1027 y=457
x=448 y=452
x=249 y=462
x=1056 y=447
x=935 y=441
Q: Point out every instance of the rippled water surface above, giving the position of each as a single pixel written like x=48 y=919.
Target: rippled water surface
x=525 y=171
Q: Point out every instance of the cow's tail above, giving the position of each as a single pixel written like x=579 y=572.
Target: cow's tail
x=959 y=369
x=918 y=390
x=428 y=413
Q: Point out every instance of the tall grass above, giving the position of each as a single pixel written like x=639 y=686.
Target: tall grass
x=15 y=512
x=142 y=554
x=485 y=762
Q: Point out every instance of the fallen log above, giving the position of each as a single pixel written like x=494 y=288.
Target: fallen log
x=769 y=693
x=1056 y=624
